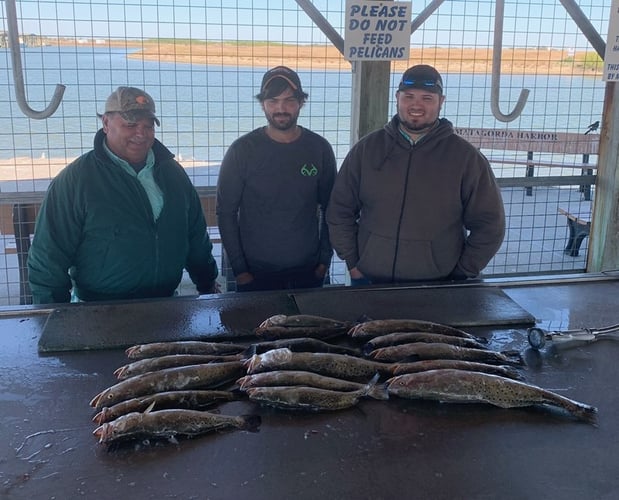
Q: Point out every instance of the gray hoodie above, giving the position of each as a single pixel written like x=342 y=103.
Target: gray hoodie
x=401 y=212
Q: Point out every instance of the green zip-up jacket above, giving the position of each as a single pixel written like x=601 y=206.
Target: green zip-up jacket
x=401 y=212
x=96 y=232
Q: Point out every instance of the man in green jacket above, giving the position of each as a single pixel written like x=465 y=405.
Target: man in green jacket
x=123 y=220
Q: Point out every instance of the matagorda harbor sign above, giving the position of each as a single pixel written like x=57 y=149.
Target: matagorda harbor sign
x=377 y=31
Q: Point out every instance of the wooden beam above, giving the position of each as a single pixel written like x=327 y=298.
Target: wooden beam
x=604 y=240
x=370 y=97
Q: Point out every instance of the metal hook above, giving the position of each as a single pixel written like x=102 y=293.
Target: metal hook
x=496 y=70
x=18 y=76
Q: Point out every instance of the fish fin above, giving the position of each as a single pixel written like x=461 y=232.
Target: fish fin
x=249 y=352
x=364 y=318
x=251 y=422
x=150 y=407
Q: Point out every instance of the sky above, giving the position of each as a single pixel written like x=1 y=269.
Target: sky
x=542 y=23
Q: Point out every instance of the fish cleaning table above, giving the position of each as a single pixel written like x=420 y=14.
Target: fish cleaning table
x=377 y=450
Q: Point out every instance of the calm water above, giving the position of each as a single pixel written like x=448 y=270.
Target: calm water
x=204 y=108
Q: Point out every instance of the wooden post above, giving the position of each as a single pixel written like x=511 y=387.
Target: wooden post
x=604 y=236
x=370 y=97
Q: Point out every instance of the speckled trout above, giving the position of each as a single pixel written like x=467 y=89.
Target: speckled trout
x=308 y=379
x=457 y=364
x=458 y=386
x=169 y=361
x=331 y=365
x=309 y=398
x=205 y=376
x=374 y=328
x=281 y=326
x=187 y=400
x=154 y=349
x=421 y=350
x=397 y=338
x=168 y=423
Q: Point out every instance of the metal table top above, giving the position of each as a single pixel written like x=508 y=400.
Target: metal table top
x=378 y=450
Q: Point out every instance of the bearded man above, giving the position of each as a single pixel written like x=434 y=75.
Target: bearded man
x=273 y=189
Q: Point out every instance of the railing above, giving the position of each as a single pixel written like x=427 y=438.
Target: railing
x=18 y=209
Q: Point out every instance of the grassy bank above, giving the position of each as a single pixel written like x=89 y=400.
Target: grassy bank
x=541 y=61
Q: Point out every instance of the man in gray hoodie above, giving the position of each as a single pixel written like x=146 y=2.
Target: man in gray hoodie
x=414 y=201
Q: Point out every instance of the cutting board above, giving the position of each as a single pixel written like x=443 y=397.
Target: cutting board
x=458 y=306
x=121 y=324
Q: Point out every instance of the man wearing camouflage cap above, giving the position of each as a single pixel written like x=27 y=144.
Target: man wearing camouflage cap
x=123 y=220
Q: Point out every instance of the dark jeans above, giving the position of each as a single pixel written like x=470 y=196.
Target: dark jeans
x=283 y=280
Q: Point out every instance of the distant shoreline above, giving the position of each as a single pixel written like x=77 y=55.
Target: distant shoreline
x=447 y=60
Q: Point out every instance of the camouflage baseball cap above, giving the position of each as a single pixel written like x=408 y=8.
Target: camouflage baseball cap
x=132 y=103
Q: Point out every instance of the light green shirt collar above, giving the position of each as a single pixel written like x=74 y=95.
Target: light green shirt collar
x=145 y=177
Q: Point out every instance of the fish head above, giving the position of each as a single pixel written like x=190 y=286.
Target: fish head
x=270 y=359
x=244 y=382
x=101 y=399
x=275 y=320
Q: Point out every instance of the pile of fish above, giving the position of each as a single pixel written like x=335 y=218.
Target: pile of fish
x=168 y=388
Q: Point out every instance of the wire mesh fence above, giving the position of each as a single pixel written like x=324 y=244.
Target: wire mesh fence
x=203 y=61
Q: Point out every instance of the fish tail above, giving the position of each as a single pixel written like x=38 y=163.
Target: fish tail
x=251 y=423
x=367 y=348
x=249 y=352
x=586 y=413
x=514 y=357
x=237 y=392
x=375 y=390
x=512 y=372
x=379 y=391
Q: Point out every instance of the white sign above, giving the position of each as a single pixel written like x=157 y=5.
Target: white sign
x=611 y=58
x=377 y=31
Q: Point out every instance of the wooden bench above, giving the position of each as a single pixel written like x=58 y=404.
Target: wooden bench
x=579 y=224
x=532 y=142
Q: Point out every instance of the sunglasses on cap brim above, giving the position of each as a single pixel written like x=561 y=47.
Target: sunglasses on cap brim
x=423 y=83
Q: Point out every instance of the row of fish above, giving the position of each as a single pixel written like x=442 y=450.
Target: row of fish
x=168 y=387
